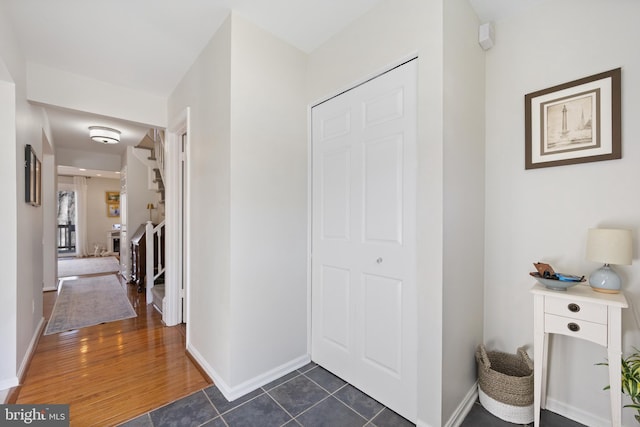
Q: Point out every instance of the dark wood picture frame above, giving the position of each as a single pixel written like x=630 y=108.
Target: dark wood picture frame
x=32 y=177
x=575 y=122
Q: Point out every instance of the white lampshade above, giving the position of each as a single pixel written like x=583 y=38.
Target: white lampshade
x=609 y=246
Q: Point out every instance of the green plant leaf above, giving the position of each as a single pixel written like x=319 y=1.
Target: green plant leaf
x=630 y=376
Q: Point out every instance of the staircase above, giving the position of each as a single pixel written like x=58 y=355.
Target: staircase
x=155 y=264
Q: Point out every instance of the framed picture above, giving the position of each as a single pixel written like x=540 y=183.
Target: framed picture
x=113 y=197
x=575 y=122
x=113 y=209
x=32 y=177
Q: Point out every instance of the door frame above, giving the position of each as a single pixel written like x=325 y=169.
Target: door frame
x=175 y=221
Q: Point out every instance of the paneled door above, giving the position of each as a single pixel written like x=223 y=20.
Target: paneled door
x=363 y=237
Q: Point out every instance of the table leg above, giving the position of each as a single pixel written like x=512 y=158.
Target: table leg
x=614 y=353
x=539 y=357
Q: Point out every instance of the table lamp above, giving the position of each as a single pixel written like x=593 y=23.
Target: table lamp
x=609 y=246
x=151 y=208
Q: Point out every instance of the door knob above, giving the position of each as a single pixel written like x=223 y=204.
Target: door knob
x=379 y=260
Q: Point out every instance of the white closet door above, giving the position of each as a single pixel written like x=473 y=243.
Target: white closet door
x=363 y=237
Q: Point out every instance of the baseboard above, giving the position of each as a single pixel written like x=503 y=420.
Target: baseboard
x=464 y=407
x=231 y=393
x=575 y=414
x=26 y=360
x=198 y=366
x=8 y=386
x=461 y=411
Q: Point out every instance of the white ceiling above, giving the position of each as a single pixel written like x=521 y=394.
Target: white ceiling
x=496 y=10
x=127 y=42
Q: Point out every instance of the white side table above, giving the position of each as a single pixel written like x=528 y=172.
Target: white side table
x=582 y=313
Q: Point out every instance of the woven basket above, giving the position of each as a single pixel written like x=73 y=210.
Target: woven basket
x=506 y=384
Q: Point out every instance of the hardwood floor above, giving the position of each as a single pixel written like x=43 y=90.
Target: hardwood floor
x=112 y=372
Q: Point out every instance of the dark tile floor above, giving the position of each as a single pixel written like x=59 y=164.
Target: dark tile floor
x=480 y=417
x=308 y=397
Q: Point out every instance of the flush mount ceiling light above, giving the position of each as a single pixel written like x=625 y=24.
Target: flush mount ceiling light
x=104 y=135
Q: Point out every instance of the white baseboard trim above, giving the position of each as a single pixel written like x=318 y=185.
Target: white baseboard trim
x=49 y=289
x=461 y=411
x=464 y=407
x=32 y=347
x=232 y=393
x=575 y=414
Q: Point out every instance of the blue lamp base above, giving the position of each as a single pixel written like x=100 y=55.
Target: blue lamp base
x=605 y=280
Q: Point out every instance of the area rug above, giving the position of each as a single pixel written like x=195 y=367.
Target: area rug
x=89 y=301
x=82 y=266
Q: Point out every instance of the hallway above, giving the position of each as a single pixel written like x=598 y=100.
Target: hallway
x=106 y=374
x=111 y=372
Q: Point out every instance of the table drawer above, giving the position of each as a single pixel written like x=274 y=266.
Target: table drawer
x=576 y=310
x=595 y=332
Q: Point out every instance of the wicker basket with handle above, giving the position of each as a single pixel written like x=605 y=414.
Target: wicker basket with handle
x=506 y=384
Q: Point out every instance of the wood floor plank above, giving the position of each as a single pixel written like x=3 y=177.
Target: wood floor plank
x=112 y=372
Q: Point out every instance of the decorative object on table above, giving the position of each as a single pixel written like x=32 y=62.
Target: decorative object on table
x=505 y=384
x=575 y=122
x=608 y=246
x=552 y=280
x=151 y=208
x=630 y=372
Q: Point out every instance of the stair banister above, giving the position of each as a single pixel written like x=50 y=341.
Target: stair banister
x=158 y=148
x=154 y=265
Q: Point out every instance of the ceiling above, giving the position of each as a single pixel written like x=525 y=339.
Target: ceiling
x=126 y=43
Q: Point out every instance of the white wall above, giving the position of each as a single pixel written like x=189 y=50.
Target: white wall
x=206 y=89
x=8 y=260
x=464 y=193
x=55 y=87
x=544 y=214
x=22 y=283
x=269 y=202
x=247 y=158
x=49 y=214
x=450 y=124
x=88 y=159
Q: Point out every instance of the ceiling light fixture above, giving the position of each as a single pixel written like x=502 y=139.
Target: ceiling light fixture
x=104 y=135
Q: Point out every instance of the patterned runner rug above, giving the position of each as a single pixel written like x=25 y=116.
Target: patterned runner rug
x=89 y=301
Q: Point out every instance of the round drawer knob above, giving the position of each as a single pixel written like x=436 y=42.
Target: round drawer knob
x=574 y=308
x=573 y=327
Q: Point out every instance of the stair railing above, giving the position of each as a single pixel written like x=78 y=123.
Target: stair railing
x=155 y=262
x=158 y=149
